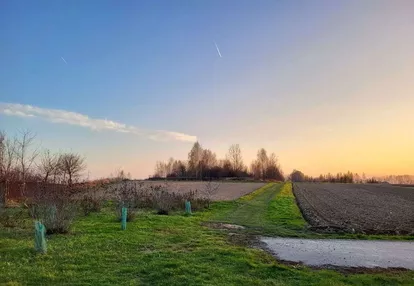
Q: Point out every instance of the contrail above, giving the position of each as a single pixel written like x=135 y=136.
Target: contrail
x=218 y=50
x=63 y=60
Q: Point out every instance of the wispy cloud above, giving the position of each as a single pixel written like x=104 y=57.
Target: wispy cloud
x=73 y=118
x=63 y=60
x=218 y=50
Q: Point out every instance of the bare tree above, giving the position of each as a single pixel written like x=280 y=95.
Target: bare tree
x=235 y=158
x=160 y=169
x=261 y=163
x=49 y=165
x=8 y=158
x=179 y=168
x=2 y=149
x=208 y=161
x=266 y=167
x=210 y=189
x=169 y=166
x=25 y=157
x=72 y=165
x=194 y=160
x=8 y=161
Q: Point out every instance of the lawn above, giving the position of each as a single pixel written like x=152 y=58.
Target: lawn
x=171 y=250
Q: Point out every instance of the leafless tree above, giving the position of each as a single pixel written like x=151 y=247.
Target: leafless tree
x=266 y=167
x=8 y=158
x=235 y=158
x=179 y=168
x=194 y=160
x=208 y=161
x=208 y=158
x=24 y=155
x=49 y=165
x=72 y=165
x=160 y=169
x=210 y=189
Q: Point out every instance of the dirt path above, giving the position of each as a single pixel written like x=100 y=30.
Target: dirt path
x=343 y=253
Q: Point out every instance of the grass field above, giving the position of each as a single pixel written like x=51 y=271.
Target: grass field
x=173 y=250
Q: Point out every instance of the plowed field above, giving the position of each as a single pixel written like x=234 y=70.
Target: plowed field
x=373 y=209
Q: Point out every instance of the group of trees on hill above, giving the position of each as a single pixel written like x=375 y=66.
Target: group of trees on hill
x=204 y=164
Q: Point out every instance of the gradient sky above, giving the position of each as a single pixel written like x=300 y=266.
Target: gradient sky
x=326 y=85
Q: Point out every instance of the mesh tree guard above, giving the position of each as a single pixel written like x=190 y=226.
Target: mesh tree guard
x=40 y=240
x=188 y=207
x=124 y=218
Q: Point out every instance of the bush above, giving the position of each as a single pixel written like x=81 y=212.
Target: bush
x=166 y=201
x=162 y=198
x=55 y=207
x=131 y=214
x=11 y=217
x=57 y=217
x=90 y=204
x=163 y=201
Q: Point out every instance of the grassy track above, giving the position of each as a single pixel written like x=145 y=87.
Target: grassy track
x=169 y=250
x=271 y=210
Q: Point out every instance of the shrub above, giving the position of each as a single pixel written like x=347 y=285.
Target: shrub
x=131 y=214
x=127 y=194
x=57 y=218
x=55 y=207
x=162 y=198
x=11 y=217
x=163 y=201
x=90 y=204
x=166 y=201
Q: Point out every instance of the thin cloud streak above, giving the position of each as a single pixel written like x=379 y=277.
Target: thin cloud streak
x=63 y=60
x=218 y=50
x=73 y=118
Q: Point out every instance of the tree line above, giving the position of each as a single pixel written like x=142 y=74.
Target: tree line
x=203 y=164
x=21 y=161
x=349 y=177
x=298 y=176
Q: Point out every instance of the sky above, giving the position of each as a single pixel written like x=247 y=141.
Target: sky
x=325 y=85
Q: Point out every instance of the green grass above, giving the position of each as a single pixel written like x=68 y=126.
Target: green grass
x=168 y=250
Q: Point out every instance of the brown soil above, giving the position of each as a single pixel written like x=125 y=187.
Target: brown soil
x=357 y=208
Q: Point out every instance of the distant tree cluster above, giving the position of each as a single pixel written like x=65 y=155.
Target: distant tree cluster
x=21 y=161
x=266 y=167
x=298 y=176
x=203 y=164
x=349 y=177
x=399 y=179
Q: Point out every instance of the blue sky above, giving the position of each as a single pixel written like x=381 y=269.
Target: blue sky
x=316 y=82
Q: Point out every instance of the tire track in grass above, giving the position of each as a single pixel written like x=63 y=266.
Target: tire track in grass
x=251 y=210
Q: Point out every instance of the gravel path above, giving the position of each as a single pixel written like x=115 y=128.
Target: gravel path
x=344 y=253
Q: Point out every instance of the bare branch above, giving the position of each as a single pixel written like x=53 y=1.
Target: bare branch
x=72 y=165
